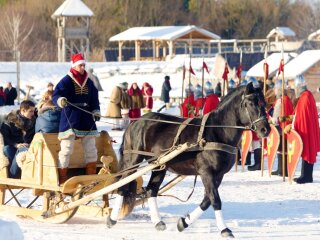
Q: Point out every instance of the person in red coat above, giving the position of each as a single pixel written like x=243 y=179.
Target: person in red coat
x=212 y=101
x=189 y=104
x=306 y=123
x=147 y=92
x=199 y=100
x=137 y=101
x=280 y=125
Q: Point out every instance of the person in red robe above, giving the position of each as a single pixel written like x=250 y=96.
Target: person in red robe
x=306 y=123
x=280 y=125
x=212 y=101
x=189 y=104
x=199 y=100
x=137 y=101
x=147 y=91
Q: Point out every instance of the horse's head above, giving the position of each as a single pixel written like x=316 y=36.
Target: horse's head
x=252 y=111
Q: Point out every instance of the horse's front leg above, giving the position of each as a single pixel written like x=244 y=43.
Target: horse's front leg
x=152 y=189
x=211 y=184
x=184 y=222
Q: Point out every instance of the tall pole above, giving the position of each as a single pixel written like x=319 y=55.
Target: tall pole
x=264 y=94
x=183 y=77
x=240 y=66
x=282 y=114
x=202 y=102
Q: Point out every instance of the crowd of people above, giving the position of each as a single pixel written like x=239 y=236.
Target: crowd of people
x=61 y=111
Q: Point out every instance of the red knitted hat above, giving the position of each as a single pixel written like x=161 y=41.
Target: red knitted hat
x=77 y=59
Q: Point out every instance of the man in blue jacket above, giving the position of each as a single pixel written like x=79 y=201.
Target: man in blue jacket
x=80 y=91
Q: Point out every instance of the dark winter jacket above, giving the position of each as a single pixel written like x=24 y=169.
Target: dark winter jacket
x=17 y=129
x=166 y=88
x=48 y=120
x=74 y=120
x=11 y=95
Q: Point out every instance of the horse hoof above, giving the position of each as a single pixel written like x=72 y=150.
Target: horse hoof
x=161 y=226
x=110 y=222
x=227 y=233
x=181 y=225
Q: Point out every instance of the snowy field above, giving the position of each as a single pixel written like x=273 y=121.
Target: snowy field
x=254 y=207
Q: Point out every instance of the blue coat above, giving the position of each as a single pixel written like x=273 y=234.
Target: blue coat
x=48 y=120
x=74 y=120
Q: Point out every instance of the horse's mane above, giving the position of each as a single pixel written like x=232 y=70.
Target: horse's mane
x=230 y=96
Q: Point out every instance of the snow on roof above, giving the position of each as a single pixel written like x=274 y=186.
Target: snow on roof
x=282 y=32
x=314 y=35
x=71 y=8
x=273 y=61
x=163 y=33
x=301 y=63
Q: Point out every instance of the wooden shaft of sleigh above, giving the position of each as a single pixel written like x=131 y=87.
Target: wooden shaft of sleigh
x=124 y=181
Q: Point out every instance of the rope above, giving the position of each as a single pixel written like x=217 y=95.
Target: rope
x=163 y=121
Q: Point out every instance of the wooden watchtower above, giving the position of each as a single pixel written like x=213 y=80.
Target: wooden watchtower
x=73 y=18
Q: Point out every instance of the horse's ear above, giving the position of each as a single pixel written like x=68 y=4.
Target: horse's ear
x=249 y=88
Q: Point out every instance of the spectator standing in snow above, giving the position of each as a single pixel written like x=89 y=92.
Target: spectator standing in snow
x=126 y=103
x=114 y=106
x=137 y=101
x=147 y=91
x=2 y=97
x=11 y=94
x=166 y=88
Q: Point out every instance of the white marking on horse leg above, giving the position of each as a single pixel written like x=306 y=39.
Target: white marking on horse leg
x=192 y=217
x=116 y=209
x=154 y=211
x=219 y=219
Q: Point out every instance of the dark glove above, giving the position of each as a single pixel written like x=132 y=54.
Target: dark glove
x=96 y=116
x=62 y=102
x=287 y=129
x=288 y=118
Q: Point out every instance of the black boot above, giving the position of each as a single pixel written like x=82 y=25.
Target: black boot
x=248 y=159
x=306 y=173
x=279 y=170
x=257 y=160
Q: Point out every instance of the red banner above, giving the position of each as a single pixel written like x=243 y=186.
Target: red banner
x=205 y=67
x=225 y=73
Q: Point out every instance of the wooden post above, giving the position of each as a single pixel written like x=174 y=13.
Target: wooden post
x=283 y=125
x=264 y=94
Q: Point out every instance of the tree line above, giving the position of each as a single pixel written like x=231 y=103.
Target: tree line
x=26 y=25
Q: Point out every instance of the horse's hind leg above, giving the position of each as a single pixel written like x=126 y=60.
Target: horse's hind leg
x=152 y=189
x=184 y=222
x=126 y=193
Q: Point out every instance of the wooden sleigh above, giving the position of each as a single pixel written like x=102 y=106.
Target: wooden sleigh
x=61 y=202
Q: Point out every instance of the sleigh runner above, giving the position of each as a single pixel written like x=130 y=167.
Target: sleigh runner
x=61 y=202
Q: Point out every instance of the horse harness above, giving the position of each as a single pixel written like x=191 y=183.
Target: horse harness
x=200 y=145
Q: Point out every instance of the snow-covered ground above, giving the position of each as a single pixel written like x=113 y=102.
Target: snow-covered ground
x=254 y=207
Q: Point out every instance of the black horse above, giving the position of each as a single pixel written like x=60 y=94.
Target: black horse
x=242 y=108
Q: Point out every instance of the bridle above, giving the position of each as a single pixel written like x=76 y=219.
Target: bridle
x=260 y=118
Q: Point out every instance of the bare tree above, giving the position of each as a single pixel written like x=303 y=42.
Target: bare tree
x=14 y=31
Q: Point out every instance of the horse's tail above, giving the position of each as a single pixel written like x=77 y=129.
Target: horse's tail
x=129 y=199
x=128 y=191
